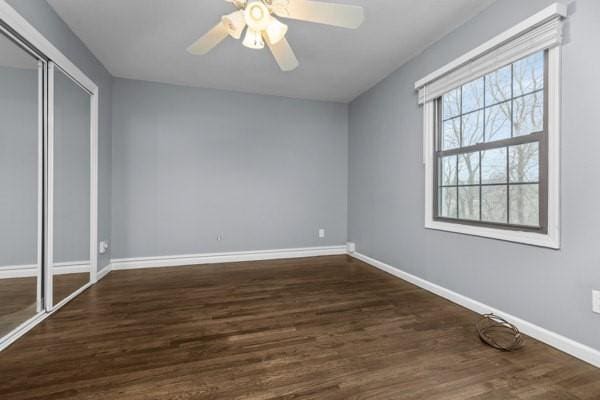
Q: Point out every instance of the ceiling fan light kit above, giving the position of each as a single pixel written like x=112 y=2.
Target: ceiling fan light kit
x=257 y=17
x=276 y=31
x=253 y=40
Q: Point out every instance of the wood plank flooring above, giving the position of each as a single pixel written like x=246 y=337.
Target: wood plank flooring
x=18 y=297
x=67 y=284
x=318 y=328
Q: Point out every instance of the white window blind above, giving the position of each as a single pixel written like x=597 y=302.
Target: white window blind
x=524 y=41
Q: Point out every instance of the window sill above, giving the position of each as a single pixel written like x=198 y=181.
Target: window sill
x=549 y=240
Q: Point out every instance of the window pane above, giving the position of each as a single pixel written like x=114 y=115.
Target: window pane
x=498 y=86
x=494 y=204
x=451 y=104
x=472 y=128
x=448 y=171
x=493 y=166
x=524 y=205
x=468 y=202
x=447 y=204
x=528 y=74
x=524 y=163
x=528 y=115
x=468 y=169
x=497 y=122
x=500 y=185
x=472 y=96
x=451 y=134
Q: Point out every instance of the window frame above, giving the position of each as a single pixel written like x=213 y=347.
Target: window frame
x=549 y=235
x=539 y=137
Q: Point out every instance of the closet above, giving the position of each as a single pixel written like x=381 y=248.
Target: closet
x=48 y=180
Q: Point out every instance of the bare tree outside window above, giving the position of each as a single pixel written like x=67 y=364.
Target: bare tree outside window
x=490 y=141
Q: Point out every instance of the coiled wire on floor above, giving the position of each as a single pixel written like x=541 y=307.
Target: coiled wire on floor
x=499 y=333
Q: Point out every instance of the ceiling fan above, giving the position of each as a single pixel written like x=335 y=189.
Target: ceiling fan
x=259 y=16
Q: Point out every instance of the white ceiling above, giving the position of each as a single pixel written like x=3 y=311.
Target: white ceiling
x=146 y=40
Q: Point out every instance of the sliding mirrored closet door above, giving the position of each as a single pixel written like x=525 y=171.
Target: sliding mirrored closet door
x=48 y=178
x=21 y=145
x=68 y=186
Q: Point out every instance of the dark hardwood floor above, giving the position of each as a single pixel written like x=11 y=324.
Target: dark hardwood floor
x=319 y=328
x=67 y=284
x=18 y=297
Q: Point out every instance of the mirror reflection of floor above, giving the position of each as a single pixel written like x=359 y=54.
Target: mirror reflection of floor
x=18 y=297
x=66 y=284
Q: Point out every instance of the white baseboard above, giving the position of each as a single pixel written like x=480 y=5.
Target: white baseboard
x=31 y=270
x=569 y=346
x=213 y=258
x=103 y=272
x=76 y=267
x=18 y=271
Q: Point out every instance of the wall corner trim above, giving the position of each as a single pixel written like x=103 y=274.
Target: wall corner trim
x=215 y=258
x=562 y=343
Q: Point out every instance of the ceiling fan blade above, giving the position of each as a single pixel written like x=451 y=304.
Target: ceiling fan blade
x=283 y=53
x=342 y=15
x=207 y=42
x=238 y=3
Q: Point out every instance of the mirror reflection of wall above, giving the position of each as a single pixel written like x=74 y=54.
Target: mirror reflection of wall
x=20 y=264
x=71 y=187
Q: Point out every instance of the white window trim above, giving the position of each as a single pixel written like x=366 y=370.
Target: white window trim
x=551 y=239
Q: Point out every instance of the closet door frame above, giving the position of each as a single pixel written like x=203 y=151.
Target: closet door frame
x=52 y=70
x=42 y=107
x=18 y=28
x=41 y=129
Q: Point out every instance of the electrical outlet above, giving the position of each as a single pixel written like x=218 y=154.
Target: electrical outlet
x=321 y=233
x=220 y=237
x=596 y=301
x=103 y=246
x=351 y=246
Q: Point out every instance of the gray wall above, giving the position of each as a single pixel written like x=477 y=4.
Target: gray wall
x=191 y=164
x=386 y=190
x=18 y=165
x=44 y=19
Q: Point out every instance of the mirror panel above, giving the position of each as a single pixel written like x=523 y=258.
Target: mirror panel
x=70 y=261
x=20 y=185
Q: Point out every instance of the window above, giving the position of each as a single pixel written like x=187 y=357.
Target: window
x=491 y=149
x=491 y=122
